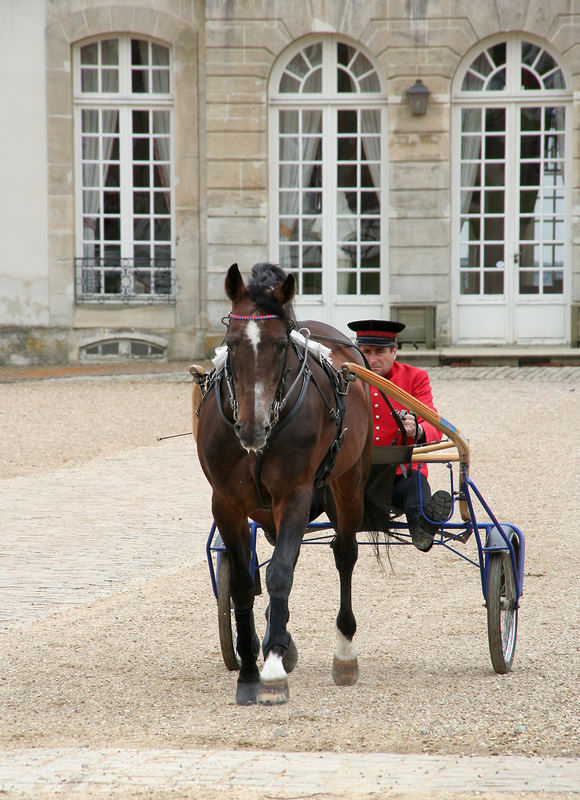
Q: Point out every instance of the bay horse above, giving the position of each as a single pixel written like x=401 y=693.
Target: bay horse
x=275 y=422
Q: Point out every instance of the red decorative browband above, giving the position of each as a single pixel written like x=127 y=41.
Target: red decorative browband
x=251 y=316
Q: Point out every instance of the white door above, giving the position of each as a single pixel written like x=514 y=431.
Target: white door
x=512 y=276
x=327 y=179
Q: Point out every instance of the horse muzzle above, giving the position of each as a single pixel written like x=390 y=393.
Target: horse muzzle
x=252 y=438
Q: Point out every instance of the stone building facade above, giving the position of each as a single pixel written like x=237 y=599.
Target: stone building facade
x=150 y=144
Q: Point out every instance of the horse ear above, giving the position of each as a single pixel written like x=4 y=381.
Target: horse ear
x=286 y=290
x=235 y=286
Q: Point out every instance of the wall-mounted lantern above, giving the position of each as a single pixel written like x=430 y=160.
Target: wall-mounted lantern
x=417 y=98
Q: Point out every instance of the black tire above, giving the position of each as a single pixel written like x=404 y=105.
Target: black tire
x=225 y=614
x=502 y=612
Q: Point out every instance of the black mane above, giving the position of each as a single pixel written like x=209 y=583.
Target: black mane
x=265 y=278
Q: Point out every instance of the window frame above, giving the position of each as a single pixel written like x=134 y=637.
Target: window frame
x=124 y=101
x=329 y=102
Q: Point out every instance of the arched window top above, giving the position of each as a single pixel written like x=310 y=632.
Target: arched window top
x=513 y=65
x=122 y=65
x=326 y=67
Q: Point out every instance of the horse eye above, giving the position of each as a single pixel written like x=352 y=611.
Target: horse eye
x=281 y=346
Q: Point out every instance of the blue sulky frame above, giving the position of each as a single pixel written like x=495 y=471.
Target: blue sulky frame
x=500 y=547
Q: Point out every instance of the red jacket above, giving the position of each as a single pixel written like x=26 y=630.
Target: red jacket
x=415 y=381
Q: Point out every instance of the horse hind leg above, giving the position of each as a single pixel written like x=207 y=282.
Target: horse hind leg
x=345 y=662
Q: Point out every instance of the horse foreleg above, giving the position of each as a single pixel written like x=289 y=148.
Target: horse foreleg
x=279 y=649
x=345 y=662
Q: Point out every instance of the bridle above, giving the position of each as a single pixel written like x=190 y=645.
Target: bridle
x=281 y=396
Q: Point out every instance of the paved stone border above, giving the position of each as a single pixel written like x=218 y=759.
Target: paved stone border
x=280 y=774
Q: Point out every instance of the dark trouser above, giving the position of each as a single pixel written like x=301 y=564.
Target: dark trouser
x=406 y=494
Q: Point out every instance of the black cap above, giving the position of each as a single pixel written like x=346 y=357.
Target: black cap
x=377 y=332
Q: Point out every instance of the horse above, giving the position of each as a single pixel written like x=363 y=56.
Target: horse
x=278 y=426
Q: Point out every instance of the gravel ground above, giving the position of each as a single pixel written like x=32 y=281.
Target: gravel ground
x=142 y=668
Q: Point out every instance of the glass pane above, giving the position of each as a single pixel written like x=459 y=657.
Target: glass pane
x=553 y=255
x=112 y=202
x=553 y=282
x=311 y=255
x=139 y=81
x=312 y=283
x=160 y=81
x=469 y=282
x=493 y=282
x=162 y=230
x=141 y=150
x=89 y=80
x=347 y=121
x=288 y=121
x=141 y=282
x=299 y=66
x=346 y=283
x=471 y=120
x=161 y=122
x=141 y=175
x=159 y=55
x=555 y=80
x=493 y=228
x=529 y=282
x=112 y=229
x=495 y=120
x=139 y=52
x=494 y=203
x=162 y=281
x=493 y=255
x=90 y=121
x=162 y=203
x=112 y=286
x=370 y=283
x=141 y=229
x=110 y=52
x=494 y=147
x=497 y=53
x=531 y=119
x=90 y=53
x=529 y=255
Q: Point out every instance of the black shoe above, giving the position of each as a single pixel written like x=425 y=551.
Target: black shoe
x=437 y=508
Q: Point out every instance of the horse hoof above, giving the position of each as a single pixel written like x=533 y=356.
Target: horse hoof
x=247 y=693
x=273 y=693
x=290 y=656
x=345 y=673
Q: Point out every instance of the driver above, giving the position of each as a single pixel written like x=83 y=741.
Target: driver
x=377 y=341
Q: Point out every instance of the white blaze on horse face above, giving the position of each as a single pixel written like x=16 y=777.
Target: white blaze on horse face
x=254 y=334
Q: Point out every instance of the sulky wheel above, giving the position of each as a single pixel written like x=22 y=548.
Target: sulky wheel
x=229 y=654
x=502 y=612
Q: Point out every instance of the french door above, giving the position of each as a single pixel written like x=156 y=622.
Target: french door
x=512 y=248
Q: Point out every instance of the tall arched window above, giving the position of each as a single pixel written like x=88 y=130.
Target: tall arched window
x=123 y=118
x=512 y=108
x=327 y=175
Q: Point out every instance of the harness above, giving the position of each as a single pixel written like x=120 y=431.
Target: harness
x=339 y=381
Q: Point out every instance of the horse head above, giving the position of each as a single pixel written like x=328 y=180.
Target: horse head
x=257 y=340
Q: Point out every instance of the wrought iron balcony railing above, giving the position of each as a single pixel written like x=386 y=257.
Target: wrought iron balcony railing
x=125 y=281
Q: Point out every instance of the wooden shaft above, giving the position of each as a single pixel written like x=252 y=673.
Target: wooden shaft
x=427 y=458
x=429 y=448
